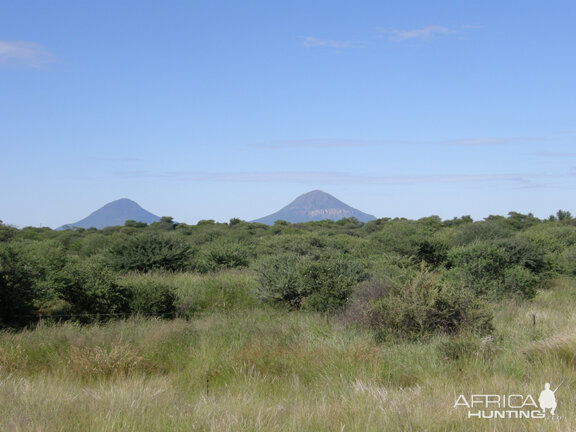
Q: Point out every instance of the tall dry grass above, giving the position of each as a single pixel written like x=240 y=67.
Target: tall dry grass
x=268 y=370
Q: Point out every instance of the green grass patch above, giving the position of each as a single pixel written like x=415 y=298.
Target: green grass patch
x=224 y=291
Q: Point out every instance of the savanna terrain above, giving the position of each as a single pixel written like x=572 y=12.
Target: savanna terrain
x=329 y=326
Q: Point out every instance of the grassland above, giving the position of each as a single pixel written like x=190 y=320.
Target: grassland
x=258 y=369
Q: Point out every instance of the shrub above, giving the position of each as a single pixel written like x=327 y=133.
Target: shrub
x=518 y=280
x=422 y=307
x=318 y=283
x=91 y=290
x=401 y=236
x=57 y=309
x=44 y=259
x=279 y=280
x=7 y=232
x=433 y=252
x=329 y=281
x=480 y=232
x=149 y=296
x=551 y=237
x=567 y=261
x=149 y=251
x=481 y=259
x=16 y=288
x=222 y=255
x=495 y=269
x=95 y=243
x=520 y=251
x=296 y=242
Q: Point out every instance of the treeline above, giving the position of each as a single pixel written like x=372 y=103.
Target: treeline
x=403 y=278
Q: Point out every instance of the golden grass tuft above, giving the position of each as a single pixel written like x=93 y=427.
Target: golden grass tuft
x=97 y=362
x=12 y=358
x=561 y=347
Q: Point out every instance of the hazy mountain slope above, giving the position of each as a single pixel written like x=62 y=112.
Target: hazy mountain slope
x=114 y=213
x=315 y=206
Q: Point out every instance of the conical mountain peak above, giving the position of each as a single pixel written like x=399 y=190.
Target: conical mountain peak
x=114 y=213
x=315 y=199
x=314 y=206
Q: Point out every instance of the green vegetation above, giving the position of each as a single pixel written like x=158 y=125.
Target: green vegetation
x=316 y=326
x=148 y=251
x=273 y=370
x=423 y=306
x=321 y=283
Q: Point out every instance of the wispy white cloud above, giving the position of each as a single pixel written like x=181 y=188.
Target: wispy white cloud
x=24 y=54
x=397 y=35
x=312 y=42
x=356 y=143
x=427 y=32
x=314 y=177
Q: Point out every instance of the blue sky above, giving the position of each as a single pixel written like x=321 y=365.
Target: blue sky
x=221 y=109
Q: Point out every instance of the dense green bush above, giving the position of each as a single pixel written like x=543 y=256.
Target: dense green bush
x=520 y=251
x=329 y=280
x=95 y=244
x=149 y=251
x=401 y=236
x=91 y=290
x=16 y=288
x=480 y=232
x=7 y=232
x=313 y=265
x=222 y=255
x=519 y=281
x=495 y=269
x=422 y=307
x=45 y=259
x=433 y=252
x=296 y=242
x=553 y=237
x=480 y=259
x=149 y=296
x=318 y=283
x=279 y=280
x=567 y=261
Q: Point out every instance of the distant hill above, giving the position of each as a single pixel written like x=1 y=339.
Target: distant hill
x=315 y=206
x=112 y=214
